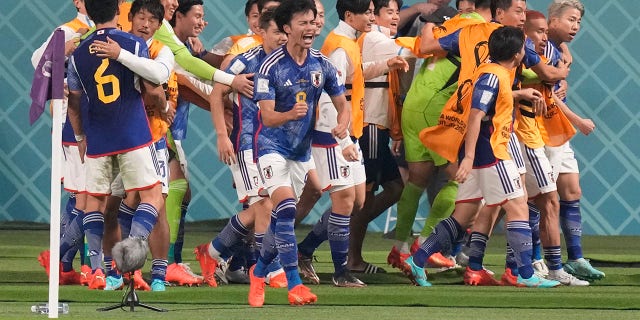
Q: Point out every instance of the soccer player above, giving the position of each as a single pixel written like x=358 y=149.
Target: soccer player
x=485 y=162
x=236 y=150
x=115 y=132
x=287 y=96
x=564 y=23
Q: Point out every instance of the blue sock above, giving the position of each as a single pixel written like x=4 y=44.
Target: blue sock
x=259 y=237
x=316 y=236
x=553 y=256
x=125 y=216
x=260 y=270
x=510 y=261
x=158 y=269
x=108 y=267
x=446 y=232
x=534 y=223
x=177 y=246
x=268 y=253
x=338 y=233
x=285 y=239
x=71 y=240
x=229 y=240
x=519 y=237
x=143 y=221
x=274 y=265
x=93 y=224
x=477 y=246
x=571 y=224
x=68 y=214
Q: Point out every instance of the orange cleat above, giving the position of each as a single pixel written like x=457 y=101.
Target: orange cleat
x=208 y=264
x=508 y=279
x=69 y=278
x=256 y=289
x=437 y=260
x=85 y=275
x=98 y=280
x=397 y=260
x=176 y=273
x=479 y=278
x=43 y=259
x=301 y=295
x=277 y=279
x=139 y=283
x=415 y=246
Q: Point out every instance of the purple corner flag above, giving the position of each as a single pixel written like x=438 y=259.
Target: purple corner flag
x=48 y=79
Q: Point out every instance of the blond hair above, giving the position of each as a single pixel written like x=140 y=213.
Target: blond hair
x=557 y=7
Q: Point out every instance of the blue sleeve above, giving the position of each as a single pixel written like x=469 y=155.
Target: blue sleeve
x=264 y=88
x=451 y=43
x=73 y=80
x=485 y=92
x=332 y=84
x=531 y=57
x=237 y=65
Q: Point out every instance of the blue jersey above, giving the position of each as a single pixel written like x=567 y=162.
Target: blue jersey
x=553 y=55
x=245 y=110
x=281 y=79
x=180 y=121
x=116 y=120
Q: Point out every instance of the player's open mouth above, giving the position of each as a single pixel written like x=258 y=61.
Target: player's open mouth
x=308 y=38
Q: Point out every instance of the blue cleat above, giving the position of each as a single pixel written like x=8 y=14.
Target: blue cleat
x=157 y=285
x=535 y=282
x=114 y=283
x=582 y=269
x=418 y=276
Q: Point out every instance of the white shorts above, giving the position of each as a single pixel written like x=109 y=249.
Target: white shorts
x=182 y=158
x=162 y=158
x=138 y=167
x=513 y=147
x=539 y=177
x=495 y=184
x=73 y=171
x=246 y=176
x=335 y=172
x=117 y=188
x=276 y=171
x=562 y=159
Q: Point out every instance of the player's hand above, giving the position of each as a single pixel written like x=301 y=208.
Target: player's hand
x=243 y=83
x=464 y=168
x=299 y=110
x=82 y=149
x=350 y=153
x=425 y=8
x=109 y=49
x=340 y=131
x=539 y=107
x=561 y=92
x=171 y=115
x=225 y=150
x=395 y=147
x=398 y=63
x=196 y=45
x=530 y=94
x=586 y=126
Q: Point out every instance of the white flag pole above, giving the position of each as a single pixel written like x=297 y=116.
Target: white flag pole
x=54 y=234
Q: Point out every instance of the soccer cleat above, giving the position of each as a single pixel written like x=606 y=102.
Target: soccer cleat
x=43 y=259
x=69 y=278
x=114 y=283
x=98 y=280
x=157 y=285
x=479 y=278
x=566 y=278
x=221 y=273
x=347 y=280
x=540 y=268
x=437 y=260
x=308 y=272
x=237 y=276
x=462 y=259
x=508 y=278
x=277 y=279
x=536 y=282
x=301 y=295
x=208 y=265
x=139 y=283
x=415 y=245
x=418 y=276
x=256 y=289
x=398 y=260
x=582 y=269
x=85 y=275
x=177 y=273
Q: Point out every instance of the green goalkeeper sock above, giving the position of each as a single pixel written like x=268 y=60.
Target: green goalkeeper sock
x=442 y=207
x=177 y=189
x=407 y=208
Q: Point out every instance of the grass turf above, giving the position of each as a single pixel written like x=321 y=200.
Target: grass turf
x=388 y=296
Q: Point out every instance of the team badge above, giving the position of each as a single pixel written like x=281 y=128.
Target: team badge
x=255 y=181
x=316 y=78
x=345 y=171
x=516 y=183
x=267 y=172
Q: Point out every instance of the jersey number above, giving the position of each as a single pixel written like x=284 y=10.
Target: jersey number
x=102 y=80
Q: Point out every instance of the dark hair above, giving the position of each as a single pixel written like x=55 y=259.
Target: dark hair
x=183 y=7
x=458 y=2
x=379 y=4
x=261 y=4
x=101 y=11
x=505 y=42
x=500 y=4
x=288 y=8
x=248 y=5
x=265 y=18
x=153 y=6
x=353 y=6
x=484 y=4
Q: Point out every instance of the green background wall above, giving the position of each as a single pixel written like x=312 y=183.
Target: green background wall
x=604 y=80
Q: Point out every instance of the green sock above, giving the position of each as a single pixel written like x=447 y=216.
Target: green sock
x=442 y=207
x=407 y=208
x=177 y=189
